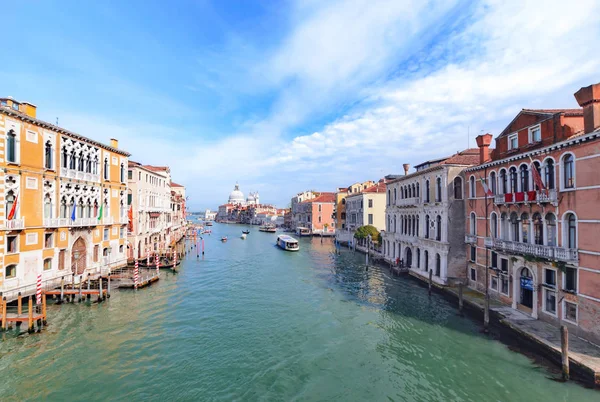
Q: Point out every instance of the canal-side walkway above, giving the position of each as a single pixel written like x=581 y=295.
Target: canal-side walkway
x=583 y=354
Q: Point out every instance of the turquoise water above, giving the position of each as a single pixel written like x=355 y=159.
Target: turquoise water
x=253 y=322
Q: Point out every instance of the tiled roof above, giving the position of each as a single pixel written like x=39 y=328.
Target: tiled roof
x=568 y=112
x=378 y=188
x=324 y=197
x=173 y=184
x=156 y=168
x=467 y=157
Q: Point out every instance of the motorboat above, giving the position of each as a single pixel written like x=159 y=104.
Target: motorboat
x=209 y=223
x=245 y=231
x=287 y=243
x=268 y=229
x=224 y=239
x=243 y=236
x=301 y=231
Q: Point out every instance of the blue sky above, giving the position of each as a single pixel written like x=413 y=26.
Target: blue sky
x=293 y=95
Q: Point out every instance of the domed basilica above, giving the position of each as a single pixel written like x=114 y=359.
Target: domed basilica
x=236 y=197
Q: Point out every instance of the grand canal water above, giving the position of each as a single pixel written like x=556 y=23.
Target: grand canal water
x=252 y=322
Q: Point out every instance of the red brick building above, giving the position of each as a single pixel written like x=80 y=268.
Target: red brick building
x=539 y=239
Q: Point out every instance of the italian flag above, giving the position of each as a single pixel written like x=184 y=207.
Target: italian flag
x=486 y=189
x=100 y=212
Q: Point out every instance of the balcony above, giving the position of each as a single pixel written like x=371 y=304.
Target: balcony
x=82 y=222
x=547 y=196
x=488 y=242
x=471 y=239
x=108 y=220
x=537 y=250
x=14 y=224
x=408 y=202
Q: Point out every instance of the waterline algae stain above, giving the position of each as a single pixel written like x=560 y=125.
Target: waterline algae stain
x=252 y=322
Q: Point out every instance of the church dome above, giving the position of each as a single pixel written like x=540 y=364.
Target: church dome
x=236 y=196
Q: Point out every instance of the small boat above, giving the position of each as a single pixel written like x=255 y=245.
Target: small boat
x=224 y=239
x=301 y=231
x=268 y=229
x=244 y=236
x=287 y=243
x=209 y=223
x=245 y=231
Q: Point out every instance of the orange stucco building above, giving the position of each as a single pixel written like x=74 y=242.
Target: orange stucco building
x=536 y=232
x=63 y=201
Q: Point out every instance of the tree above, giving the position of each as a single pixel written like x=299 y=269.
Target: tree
x=363 y=232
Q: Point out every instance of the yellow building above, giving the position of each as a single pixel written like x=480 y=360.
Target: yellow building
x=340 y=201
x=63 y=202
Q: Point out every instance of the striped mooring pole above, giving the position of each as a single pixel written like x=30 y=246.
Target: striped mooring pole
x=157 y=262
x=135 y=274
x=38 y=290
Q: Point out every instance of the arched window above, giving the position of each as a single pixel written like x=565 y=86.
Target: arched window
x=105 y=168
x=472 y=187
x=88 y=164
x=524 y=176
x=11 y=146
x=536 y=165
x=427 y=226
x=88 y=209
x=10 y=201
x=503 y=181
x=438 y=189
x=65 y=158
x=395 y=195
x=95 y=209
x=72 y=161
x=47 y=264
x=514 y=224
x=395 y=231
x=514 y=179
x=551 y=229
x=417 y=189
x=426 y=260
x=390 y=196
x=525 y=228
x=95 y=166
x=427 y=190
x=538 y=229
x=438 y=231
x=504 y=226
x=571 y=231
x=418 y=258
x=493 y=185
x=10 y=271
x=494 y=225
x=414 y=190
x=417 y=224
x=568 y=171
x=48 y=155
x=63 y=207
x=409 y=191
x=438 y=265
x=549 y=174
x=122 y=173
x=47 y=207
x=473 y=224
x=458 y=192
x=343 y=201
x=414 y=225
x=81 y=161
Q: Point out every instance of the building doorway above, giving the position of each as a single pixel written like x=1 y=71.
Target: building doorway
x=408 y=257
x=526 y=287
x=79 y=257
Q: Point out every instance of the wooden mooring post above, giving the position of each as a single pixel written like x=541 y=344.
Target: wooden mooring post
x=30 y=320
x=88 y=296
x=62 y=289
x=460 y=299
x=80 y=288
x=564 y=347
x=44 y=316
x=99 y=289
x=4 y=318
x=430 y=280
x=19 y=304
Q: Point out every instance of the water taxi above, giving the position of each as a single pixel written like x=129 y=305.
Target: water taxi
x=268 y=228
x=300 y=231
x=209 y=223
x=224 y=239
x=287 y=243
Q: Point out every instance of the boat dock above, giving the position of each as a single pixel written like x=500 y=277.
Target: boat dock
x=29 y=314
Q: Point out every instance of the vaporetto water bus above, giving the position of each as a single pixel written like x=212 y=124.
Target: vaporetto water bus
x=288 y=243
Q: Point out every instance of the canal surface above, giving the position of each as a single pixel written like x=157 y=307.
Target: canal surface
x=252 y=322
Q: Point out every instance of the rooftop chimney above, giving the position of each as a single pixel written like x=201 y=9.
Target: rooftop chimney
x=589 y=99
x=114 y=143
x=483 y=142
x=406 y=166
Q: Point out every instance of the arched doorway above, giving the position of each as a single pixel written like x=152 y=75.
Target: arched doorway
x=139 y=249
x=408 y=257
x=79 y=257
x=526 y=288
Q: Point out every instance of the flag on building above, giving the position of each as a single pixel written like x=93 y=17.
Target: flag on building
x=130 y=216
x=537 y=179
x=100 y=212
x=13 y=210
x=486 y=189
x=73 y=212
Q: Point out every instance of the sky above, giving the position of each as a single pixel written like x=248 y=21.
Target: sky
x=285 y=96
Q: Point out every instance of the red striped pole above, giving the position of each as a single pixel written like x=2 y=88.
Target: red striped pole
x=157 y=262
x=148 y=257
x=38 y=290
x=135 y=274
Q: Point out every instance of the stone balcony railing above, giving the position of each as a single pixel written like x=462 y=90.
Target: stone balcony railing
x=75 y=174
x=407 y=202
x=108 y=220
x=471 y=239
x=547 y=196
x=537 y=250
x=14 y=224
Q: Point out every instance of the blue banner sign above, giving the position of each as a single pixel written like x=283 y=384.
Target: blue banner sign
x=526 y=283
